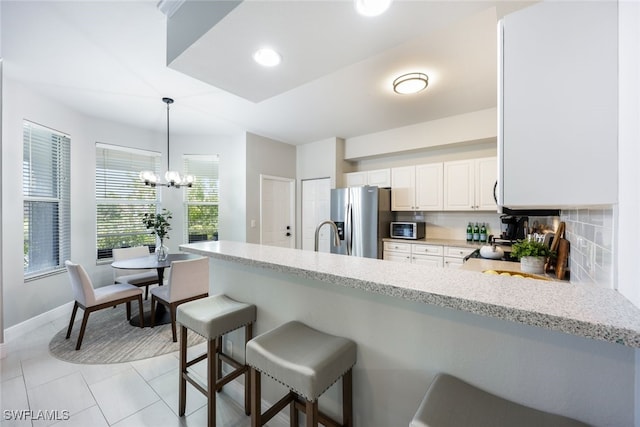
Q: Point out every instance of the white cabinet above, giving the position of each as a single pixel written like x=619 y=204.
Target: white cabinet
x=417 y=188
x=468 y=184
x=426 y=254
x=379 y=177
x=399 y=252
x=558 y=105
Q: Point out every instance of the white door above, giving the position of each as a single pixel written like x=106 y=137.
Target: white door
x=277 y=211
x=316 y=207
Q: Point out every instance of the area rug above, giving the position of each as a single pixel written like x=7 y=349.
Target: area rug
x=109 y=338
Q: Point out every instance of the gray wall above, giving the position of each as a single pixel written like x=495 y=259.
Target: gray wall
x=264 y=157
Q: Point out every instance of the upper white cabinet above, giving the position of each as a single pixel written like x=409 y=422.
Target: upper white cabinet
x=379 y=177
x=558 y=105
x=417 y=188
x=468 y=184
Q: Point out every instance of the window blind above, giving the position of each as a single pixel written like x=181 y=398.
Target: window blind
x=202 y=200
x=122 y=199
x=46 y=199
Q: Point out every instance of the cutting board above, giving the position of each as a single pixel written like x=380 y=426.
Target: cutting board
x=555 y=243
x=563 y=256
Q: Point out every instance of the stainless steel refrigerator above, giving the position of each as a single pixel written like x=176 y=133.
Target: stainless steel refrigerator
x=363 y=218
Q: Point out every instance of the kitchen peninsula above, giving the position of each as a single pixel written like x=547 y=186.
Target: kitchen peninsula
x=554 y=346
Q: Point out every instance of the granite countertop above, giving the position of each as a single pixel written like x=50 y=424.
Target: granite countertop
x=585 y=311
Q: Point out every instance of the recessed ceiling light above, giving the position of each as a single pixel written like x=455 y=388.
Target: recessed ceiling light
x=410 y=83
x=267 y=57
x=372 y=7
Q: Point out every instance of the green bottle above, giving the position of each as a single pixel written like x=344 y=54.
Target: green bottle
x=476 y=233
x=483 y=233
x=469 y=233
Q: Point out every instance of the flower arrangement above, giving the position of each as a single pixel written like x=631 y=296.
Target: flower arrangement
x=159 y=222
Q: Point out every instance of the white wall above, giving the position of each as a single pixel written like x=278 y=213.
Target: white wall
x=476 y=126
x=267 y=157
x=22 y=301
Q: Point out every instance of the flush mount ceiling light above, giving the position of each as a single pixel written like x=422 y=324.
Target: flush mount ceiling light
x=410 y=83
x=371 y=7
x=267 y=57
x=173 y=178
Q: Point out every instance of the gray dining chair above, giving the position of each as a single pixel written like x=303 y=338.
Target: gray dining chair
x=188 y=281
x=138 y=278
x=92 y=299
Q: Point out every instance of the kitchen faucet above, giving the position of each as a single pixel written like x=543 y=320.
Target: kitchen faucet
x=336 y=238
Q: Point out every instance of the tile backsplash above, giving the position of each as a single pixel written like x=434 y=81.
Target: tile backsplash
x=591 y=234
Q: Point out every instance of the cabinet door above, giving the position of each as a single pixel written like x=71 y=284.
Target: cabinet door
x=380 y=178
x=403 y=188
x=434 y=261
x=459 y=189
x=429 y=187
x=558 y=105
x=355 y=179
x=453 y=262
x=397 y=257
x=486 y=174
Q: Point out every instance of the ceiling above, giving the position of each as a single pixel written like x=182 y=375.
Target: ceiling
x=108 y=59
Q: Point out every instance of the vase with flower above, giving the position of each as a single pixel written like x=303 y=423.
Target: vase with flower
x=160 y=226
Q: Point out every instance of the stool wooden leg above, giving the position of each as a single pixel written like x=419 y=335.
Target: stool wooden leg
x=293 y=414
x=347 y=399
x=248 y=334
x=312 y=414
x=212 y=374
x=256 y=410
x=182 y=399
x=219 y=360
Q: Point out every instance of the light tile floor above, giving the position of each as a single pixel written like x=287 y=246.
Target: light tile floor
x=134 y=394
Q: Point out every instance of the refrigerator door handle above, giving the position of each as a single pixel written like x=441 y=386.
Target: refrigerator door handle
x=347 y=231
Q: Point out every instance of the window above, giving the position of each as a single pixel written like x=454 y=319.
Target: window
x=201 y=200
x=122 y=199
x=45 y=187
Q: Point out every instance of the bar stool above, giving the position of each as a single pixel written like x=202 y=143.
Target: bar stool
x=450 y=401
x=307 y=362
x=212 y=317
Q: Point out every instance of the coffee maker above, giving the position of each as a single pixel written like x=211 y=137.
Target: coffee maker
x=515 y=227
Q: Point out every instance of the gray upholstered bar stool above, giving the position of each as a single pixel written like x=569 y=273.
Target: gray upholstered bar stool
x=450 y=402
x=212 y=317
x=307 y=362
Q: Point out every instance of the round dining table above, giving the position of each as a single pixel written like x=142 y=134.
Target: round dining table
x=162 y=316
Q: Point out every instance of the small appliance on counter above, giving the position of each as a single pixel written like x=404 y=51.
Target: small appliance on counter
x=408 y=230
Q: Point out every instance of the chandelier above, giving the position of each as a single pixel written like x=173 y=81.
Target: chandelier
x=173 y=178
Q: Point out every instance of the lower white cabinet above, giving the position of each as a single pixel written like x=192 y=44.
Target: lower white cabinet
x=425 y=254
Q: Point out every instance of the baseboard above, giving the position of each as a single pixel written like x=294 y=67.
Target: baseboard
x=36 y=322
x=235 y=390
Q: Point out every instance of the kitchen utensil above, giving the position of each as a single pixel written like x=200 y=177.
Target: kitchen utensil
x=491 y=252
x=555 y=242
x=563 y=256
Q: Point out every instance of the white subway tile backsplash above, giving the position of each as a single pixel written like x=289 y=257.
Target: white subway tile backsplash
x=591 y=233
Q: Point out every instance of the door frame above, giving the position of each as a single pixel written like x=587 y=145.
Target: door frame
x=292 y=203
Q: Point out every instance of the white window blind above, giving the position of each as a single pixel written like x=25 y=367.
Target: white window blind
x=201 y=200
x=122 y=199
x=45 y=186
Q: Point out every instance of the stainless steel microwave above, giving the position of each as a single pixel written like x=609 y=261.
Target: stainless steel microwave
x=408 y=230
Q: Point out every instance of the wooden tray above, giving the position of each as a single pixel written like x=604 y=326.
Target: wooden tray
x=515 y=273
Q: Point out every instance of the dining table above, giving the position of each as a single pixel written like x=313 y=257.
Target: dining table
x=162 y=316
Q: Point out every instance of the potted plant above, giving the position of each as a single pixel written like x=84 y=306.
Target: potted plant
x=159 y=223
x=532 y=255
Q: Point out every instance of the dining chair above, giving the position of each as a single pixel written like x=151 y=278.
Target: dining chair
x=92 y=299
x=188 y=281
x=138 y=278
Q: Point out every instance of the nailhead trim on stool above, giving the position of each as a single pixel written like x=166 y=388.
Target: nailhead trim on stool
x=307 y=362
x=212 y=317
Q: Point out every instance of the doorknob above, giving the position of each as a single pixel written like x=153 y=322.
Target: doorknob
x=288 y=227
x=288 y=234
